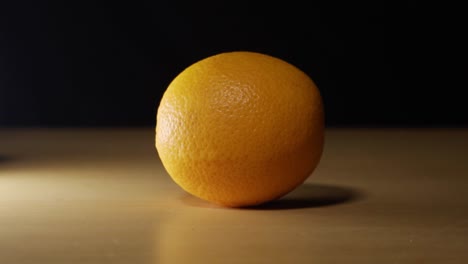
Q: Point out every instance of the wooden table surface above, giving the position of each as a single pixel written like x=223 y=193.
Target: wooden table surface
x=102 y=196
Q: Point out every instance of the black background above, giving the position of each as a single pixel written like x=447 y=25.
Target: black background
x=107 y=64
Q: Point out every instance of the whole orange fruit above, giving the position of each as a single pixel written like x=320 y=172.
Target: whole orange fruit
x=240 y=128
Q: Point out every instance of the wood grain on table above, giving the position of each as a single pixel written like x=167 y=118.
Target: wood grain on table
x=102 y=196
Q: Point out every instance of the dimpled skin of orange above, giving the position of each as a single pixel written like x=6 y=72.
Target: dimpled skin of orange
x=240 y=128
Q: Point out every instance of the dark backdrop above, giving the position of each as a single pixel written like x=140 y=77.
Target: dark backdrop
x=107 y=64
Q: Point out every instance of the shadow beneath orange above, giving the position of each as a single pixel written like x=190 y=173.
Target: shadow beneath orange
x=305 y=196
x=312 y=195
x=4 y=158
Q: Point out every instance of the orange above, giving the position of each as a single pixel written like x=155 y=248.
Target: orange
x=240 y=128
